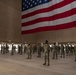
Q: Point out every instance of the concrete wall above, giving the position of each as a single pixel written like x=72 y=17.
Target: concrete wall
x=65 y=35
x=10 y=20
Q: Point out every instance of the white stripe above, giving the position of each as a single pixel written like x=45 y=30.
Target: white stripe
x=53 y=2
x=51 y=23
x=51 y=13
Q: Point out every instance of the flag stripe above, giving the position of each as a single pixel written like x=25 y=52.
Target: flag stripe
x=42 y=19
x=43 y=10
x=50 y=23
x=47 y=28
x=53 y=15
x=50 y=18
x=51 y=3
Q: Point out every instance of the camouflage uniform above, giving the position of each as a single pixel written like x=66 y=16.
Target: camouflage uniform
x=3 y=49
x=67 y=50
x=29 y=51
x=13 y=49
x=25 y=48
x=75 y=52
x=55 y=51
x=62 y=51
x=39 y=50
x=7 y=48
x=46 y=51
x=18 y=49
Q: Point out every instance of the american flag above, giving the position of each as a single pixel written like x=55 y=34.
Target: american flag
x=47 y=15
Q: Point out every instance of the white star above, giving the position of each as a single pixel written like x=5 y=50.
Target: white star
x=23 y=3
x=35 y=3
x=31 y=5
x=37 y=0
x=40 y=1
x=23 y=8
x=27 y=6
x=25 y=0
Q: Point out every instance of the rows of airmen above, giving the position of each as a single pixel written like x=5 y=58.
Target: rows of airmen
x=56 y=49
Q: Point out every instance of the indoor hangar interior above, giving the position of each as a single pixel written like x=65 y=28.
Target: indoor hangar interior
x=44 y=52
x=10 y=21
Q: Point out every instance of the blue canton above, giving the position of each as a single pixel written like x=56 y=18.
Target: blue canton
x=27 y=4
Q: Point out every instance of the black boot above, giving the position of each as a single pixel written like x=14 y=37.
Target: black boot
x=44 y=64
x=48 y=65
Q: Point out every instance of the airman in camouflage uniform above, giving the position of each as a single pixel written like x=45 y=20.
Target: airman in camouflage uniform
x=46 y=51
x=55 y=51
x=29 y=51
x=62 y=51
x=39 y=49
x=75 y=51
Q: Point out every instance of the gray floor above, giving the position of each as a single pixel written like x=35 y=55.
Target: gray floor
x=19 y=65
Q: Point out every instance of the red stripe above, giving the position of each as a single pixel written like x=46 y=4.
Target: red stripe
x=57 y=27
x=51 y=18
x=58 y=5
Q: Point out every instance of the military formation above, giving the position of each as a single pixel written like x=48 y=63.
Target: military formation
x=48 y=50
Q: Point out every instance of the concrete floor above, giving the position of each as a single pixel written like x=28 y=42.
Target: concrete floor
x=19 y=65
